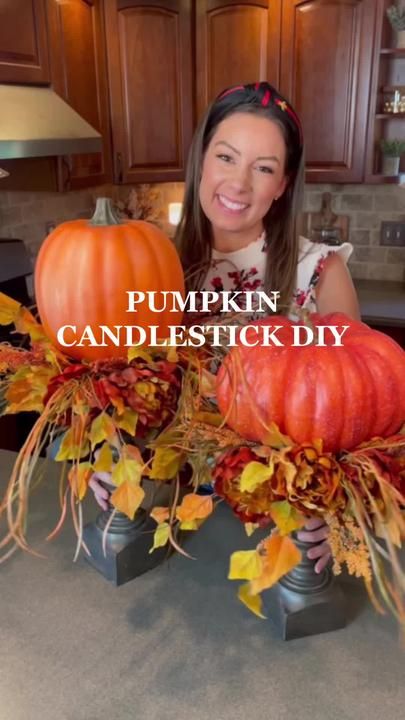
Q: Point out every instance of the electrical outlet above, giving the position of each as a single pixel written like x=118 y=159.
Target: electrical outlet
x=393 y=234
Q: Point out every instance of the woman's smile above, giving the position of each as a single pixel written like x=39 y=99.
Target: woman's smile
x=229 y=206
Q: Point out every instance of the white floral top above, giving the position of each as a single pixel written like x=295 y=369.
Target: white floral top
x=244 y=270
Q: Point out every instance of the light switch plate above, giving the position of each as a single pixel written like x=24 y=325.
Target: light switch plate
x=393 y=234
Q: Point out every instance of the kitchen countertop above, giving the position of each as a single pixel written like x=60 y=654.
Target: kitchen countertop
x=175 y=644
x=381 y=303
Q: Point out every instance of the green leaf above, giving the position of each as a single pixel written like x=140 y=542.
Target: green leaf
x=161 y=536
x=286 y=517
x=189 y=525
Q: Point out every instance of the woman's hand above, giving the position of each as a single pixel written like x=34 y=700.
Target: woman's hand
x=101 y=494
x=316 y=531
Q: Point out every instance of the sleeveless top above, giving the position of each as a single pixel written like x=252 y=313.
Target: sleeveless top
x=244 y=269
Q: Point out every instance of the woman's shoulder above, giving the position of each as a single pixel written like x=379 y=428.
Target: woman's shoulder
x=311 y=259
x=310 y=252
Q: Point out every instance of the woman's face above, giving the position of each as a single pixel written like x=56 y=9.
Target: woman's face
x=243 y=172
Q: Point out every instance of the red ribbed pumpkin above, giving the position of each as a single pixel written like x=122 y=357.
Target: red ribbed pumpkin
x=85 y=268
x=344 y=395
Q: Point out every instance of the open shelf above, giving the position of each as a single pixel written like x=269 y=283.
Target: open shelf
x=393 y=52
x=390 y=116
x=391 y=88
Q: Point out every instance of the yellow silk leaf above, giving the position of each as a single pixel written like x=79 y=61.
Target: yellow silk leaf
x=280 y=555
x=136 y=352
x=209 y=418
x=255 y=474
x=126 y=470
x=127 y=420
x=28 y=388
x=161 y=536
x=26 y=324
x=79 y=477
x=127 y=498
x=104 y=460
x=318 y=445
x=172 y=354
x=194 y=507
x=286 y=517
x=289 y=470
x=21 y=396
x=388 y=528
x=250 y=528
x=102 y=428
x=166 y=464
x=70 y=448
x=9 y=309
x=275 y=438
x=245 y=565
x=189 y=525
x=159 y=514
x=253 y=602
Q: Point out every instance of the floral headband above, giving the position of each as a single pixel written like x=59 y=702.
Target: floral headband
x=266 y=95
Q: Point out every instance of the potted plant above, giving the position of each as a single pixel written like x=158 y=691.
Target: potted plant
x=391 y=152
x=396 y=16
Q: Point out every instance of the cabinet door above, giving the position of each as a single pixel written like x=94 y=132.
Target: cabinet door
x=79 y=75
x=150 y=74
x=238 y=42
x=325 y=71
x=23 y=42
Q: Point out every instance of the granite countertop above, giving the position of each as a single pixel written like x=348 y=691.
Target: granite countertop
x=381 y=302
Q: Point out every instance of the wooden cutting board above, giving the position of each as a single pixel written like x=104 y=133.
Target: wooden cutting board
x=325 y=225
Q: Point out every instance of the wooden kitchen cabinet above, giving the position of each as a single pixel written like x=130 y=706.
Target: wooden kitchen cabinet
x=237 y=42
x=326 y=60
x=150 y=75
x=79 y=75
x=23 y=42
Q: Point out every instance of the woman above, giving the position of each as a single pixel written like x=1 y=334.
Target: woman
x=243 y=189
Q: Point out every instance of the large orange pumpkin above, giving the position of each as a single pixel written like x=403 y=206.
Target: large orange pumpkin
x=85 y=268
x=344 y=395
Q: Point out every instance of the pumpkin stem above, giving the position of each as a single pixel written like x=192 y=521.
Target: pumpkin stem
x=104 y=213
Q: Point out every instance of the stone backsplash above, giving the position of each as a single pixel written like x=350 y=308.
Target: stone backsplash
x=27 y=216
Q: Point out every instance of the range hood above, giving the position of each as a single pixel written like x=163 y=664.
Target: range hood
x=36 y=122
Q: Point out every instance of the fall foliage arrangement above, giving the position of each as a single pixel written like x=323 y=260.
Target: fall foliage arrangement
x=282 y=433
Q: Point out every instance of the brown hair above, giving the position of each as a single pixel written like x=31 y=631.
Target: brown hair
x=194 y=235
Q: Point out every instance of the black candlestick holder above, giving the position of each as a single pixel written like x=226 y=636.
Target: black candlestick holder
x=126 y=554
x=304 y=602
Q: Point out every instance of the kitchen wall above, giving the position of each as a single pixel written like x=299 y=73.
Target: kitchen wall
x=26 y=215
